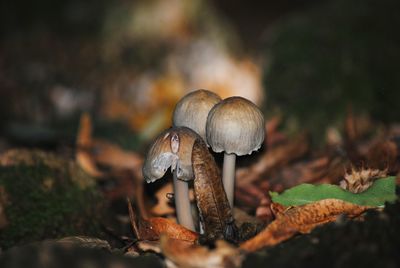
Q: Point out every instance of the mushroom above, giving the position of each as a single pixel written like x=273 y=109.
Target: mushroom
x=192 y=110
x=173 y=148
x=235 y=126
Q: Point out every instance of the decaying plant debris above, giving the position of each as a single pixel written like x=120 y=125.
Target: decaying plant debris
x=282 y=166
x=301 y=219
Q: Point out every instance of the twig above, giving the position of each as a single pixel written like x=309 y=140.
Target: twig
x=132 y=218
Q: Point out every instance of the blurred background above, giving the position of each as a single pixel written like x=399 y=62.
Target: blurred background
x=128 y=62
x=90 y=83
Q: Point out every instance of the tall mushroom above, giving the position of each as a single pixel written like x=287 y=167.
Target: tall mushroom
x=235 y=126
x=173 y=148
x=192 y=110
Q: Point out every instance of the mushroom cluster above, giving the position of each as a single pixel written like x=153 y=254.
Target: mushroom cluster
x=234 y=126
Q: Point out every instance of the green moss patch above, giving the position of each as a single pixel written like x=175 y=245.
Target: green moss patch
x=47 y=201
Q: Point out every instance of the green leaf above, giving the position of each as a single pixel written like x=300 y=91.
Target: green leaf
x=383 y=190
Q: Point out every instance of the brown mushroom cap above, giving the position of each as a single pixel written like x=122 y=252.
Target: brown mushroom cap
x=172 y=148
x=192 y=110
x=235 y=125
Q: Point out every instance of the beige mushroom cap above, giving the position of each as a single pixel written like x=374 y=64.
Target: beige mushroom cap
x=192 y=110
x=172 y=148
x=235 y=125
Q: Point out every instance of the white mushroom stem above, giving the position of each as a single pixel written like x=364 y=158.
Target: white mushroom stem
x=182 y=203
x=228 y=176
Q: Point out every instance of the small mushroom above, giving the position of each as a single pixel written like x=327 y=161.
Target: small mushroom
x=192 y=110
x=235 y=126
x=173 y=149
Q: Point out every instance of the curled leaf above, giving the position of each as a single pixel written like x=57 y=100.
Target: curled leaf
x=301 y=219
x=152 y=228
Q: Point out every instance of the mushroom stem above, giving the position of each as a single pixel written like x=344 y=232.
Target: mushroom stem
x=228 y=176
x=182 y=203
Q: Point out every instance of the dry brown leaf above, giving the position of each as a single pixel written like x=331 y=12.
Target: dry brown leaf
x=360 y=180
x=84 y=143
x=86 y=163
x=183 y=254
x=152 y=228
x=91 y=152
x=277 y=209
x=301 y=219
x=111 y=155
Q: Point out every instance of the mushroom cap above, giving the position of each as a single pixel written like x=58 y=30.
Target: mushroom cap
x=172 y=148
x=235 y=125
x=192 y=110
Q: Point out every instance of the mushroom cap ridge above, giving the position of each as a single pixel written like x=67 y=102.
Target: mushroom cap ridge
x=235 y=125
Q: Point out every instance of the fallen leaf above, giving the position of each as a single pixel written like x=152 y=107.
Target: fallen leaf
x=84 y=143
x=107 y=154
x=86 y=163
x=152 y=228
x=301 y=219
x=383 y=190
x=92 y=152
x=360 y=180
x=183 y=254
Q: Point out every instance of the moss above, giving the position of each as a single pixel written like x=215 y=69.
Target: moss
x=49 y=199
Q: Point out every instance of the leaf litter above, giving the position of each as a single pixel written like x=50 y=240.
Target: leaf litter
x=283 y=219
x=286 y=164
